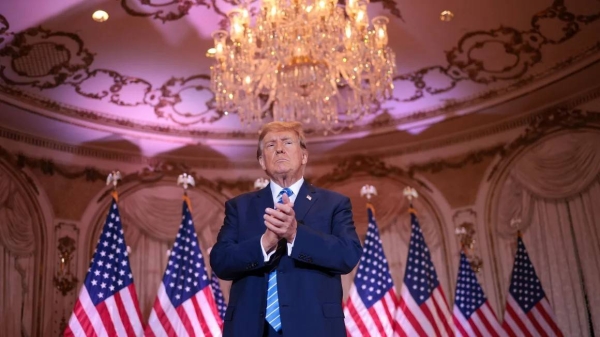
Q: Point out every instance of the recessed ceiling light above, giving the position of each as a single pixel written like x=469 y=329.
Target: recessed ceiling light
x=446 y=16
x=100 y=16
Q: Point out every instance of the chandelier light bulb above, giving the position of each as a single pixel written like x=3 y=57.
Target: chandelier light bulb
x=100 y=16
x=446 y=16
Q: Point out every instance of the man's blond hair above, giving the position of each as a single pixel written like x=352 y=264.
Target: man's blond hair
x=280 y=127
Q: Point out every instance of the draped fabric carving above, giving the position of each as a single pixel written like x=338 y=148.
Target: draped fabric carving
x=554 y=189
x=17 y=245
x=16 y=230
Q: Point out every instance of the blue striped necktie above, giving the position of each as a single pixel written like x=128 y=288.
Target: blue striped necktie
x=272 y=297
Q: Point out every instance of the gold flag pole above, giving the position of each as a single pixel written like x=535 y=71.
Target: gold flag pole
x=369 y=191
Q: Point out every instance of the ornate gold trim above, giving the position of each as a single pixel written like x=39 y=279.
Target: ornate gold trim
x=468 y=159
x=349 y=167
x=64 y=280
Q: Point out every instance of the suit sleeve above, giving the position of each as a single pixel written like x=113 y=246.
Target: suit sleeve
x=337 y=252
x=230 y=257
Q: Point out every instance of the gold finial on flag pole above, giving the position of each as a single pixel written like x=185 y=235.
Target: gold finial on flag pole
x=410 y=193
x=113 y=178
x=186 y=180
x=368 y=191
x=516 y=224
x=260 y=183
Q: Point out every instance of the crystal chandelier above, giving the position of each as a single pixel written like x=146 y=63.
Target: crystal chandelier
x=312 y=61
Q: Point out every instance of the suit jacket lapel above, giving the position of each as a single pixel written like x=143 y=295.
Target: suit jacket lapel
x=264 y=199
x=307 y=196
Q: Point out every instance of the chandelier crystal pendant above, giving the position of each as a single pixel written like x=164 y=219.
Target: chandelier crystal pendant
x=302 y=60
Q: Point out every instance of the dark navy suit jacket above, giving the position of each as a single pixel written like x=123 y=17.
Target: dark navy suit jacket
x=308 y=281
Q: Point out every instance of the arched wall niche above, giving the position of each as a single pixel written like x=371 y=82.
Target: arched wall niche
x=392 y=217
x=548 y=187
x=151 y=215
x=27 y=255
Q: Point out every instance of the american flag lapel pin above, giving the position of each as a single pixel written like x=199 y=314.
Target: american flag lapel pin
x=308 y=197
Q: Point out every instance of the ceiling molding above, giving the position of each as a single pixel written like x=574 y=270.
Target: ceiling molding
x=542 y=125
x=78 y=70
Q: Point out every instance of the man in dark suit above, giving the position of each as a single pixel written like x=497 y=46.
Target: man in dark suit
x=285 y=247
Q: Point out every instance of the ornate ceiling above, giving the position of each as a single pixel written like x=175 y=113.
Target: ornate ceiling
x=143 y=74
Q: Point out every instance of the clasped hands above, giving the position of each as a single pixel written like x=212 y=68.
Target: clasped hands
x=281 y=224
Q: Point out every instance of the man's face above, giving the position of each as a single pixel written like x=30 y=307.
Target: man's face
x=282 y=154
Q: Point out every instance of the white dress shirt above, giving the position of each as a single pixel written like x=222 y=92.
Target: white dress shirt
x=275 y=189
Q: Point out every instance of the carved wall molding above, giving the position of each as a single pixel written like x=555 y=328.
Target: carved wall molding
x=115 y=156
x=465 y=160
x=360 y=164
x=24 y=257
x=546 y=124
x=152 y=173
x=465 y=223
x=171 y=170
x=525 y=45
x=64 y=259
x=452 y=139
x=157 y=169
x=546 y=187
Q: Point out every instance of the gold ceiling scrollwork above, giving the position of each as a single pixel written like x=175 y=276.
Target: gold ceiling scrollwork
x=389 y=5
x=117 y=83
x=158 y=10
x=172 y=93
x=3 y=27
x=42 y=59
x=522 y=47
x=71 y=64
x=177 y=9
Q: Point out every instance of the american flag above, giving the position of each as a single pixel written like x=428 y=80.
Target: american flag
x=372 y=302
x=423 y=310
x=473 y=315
x=528 y=312
x=107 y=303
x=219 y=298
x=185 y=305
